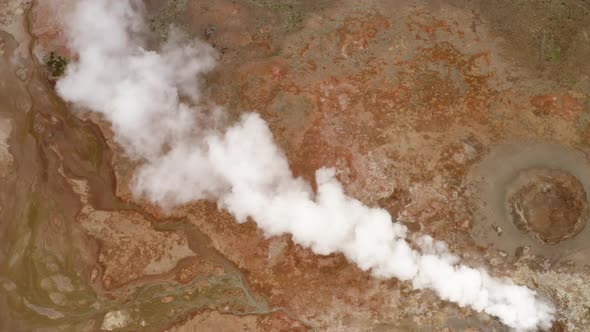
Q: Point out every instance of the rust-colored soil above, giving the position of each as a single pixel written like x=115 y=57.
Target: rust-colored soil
x=427 y=109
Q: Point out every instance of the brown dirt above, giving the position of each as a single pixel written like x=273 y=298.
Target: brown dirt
x=405 y=99
x=212 y=321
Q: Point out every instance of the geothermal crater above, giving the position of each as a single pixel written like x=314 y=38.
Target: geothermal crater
x=533 y=196
x=551 y=204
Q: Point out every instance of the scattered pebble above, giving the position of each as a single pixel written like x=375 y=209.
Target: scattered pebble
x=498 y=229
x=167 y=299
x=9 y=285
x=115 y=320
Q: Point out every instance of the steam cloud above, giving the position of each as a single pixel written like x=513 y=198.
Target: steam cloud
x=153 y=102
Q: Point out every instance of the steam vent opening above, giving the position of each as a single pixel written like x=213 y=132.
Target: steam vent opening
x=548 y=203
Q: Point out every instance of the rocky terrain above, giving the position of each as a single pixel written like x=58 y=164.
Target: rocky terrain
x=466 y=120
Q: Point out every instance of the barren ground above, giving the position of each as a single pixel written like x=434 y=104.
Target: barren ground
x=437 y=111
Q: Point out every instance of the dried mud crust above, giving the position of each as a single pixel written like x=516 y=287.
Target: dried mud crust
x=407 y=101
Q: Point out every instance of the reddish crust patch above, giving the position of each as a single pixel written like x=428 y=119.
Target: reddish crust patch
x=358 y=32
x=561 y=105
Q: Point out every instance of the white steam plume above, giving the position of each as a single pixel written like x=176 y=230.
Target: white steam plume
x=152 y=100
